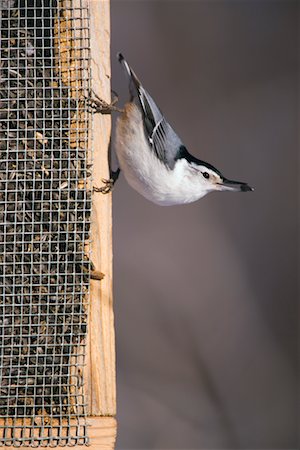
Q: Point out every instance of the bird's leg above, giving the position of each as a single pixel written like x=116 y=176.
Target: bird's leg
x=108 y=184
x=103 y=107
x=99 y=105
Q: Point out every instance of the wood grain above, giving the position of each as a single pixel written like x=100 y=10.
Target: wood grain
x=102 y=432
x=100 y=374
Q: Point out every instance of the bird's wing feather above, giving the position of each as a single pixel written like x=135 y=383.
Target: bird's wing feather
x=166 y=143
x=162 y=138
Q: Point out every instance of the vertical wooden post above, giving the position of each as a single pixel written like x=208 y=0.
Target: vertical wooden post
x=101 y=396
x=100 y=376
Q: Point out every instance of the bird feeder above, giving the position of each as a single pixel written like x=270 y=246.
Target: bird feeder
x=57 y=357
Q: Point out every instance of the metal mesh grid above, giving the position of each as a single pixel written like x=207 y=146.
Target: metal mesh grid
x=44 y=220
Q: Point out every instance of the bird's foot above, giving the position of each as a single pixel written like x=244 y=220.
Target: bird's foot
x=107 y=188
x=99 y=105
x=108 y=184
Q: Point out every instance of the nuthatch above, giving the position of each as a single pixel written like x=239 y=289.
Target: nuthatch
x=153 y=158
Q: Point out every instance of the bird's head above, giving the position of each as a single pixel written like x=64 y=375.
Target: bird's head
x=212 y=180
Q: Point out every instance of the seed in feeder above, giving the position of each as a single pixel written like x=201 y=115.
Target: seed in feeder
x=81 y=184
x=45 y=170
x=63 y=185
x=40 y=137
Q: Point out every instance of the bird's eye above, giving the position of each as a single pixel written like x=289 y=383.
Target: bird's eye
x=205 y=174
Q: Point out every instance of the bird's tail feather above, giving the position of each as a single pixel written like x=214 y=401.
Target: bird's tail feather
x=134 y=82
x=151 y=111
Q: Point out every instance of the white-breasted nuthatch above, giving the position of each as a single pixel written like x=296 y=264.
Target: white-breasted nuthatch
x=153 y=158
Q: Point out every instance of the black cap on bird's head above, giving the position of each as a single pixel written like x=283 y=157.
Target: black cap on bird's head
x=212 y=175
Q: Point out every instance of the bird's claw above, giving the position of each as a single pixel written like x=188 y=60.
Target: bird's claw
x=107 y=188
x=99 y=105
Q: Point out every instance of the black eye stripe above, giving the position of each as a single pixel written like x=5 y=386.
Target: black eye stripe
x=205 y=174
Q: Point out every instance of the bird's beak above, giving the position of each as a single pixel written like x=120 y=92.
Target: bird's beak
x=230 y=185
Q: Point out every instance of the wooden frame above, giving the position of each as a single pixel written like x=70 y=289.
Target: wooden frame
x=100 y=376
x=99 y=372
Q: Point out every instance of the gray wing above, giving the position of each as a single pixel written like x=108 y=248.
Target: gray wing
x=165 y=143
x=162 y=138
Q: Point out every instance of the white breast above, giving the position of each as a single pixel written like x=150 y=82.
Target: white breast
x=145 y=172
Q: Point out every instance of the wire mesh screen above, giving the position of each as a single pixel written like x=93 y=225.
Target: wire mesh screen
x=44 y=221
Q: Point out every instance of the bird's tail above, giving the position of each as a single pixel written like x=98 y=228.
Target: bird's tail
x=152 y=113
x=134 y=82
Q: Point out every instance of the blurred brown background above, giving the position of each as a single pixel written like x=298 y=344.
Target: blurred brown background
x=206 y=294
